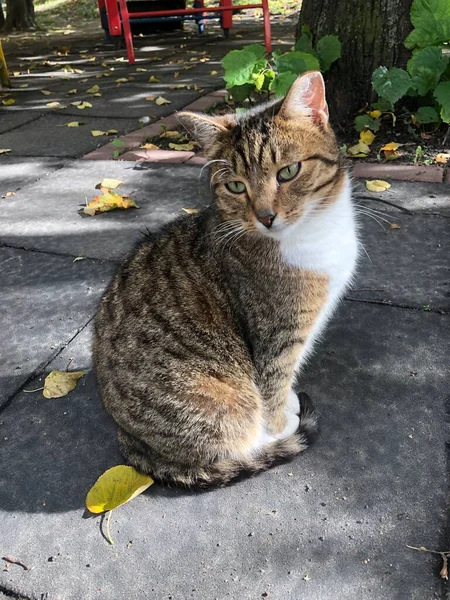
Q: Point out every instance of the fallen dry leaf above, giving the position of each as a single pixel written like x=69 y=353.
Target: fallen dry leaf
x=45 y=92
x=191 y=211
x=108 y=201
x=8 y=194
x=377 y=185
x=78 y=258
x=93 y=90
x=214 y=73
x=59 y=383
x=160 y=101
x=8 y=102
x=153 y=79
x=150 y=98
x=141 y=70
x=74 y=124
x=54 y=105
x=170 y=134
x=394 y=226
x=97 y=132
x=442 y=157
x=4 y=150
x=74 y=91
x=390 y=150
x=122 y=80
x=183 y=147
x=149 y=147
x=109 y=184
x=359 y=150
x=115 y=487
x=366 y=136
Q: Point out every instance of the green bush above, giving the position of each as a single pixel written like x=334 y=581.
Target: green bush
x=427 y=74
x=250 y=71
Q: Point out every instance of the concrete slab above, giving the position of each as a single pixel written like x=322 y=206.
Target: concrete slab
x=45 y=300
x=16 y=173
x=332 y=525
x=10 y=120
x=406 y=266
x=45 y=216
x=48 y=136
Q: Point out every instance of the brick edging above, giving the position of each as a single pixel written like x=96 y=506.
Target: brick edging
x=135 y=139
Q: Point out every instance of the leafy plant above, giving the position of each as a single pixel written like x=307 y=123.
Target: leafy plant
x=427 y=74
x=250 y=71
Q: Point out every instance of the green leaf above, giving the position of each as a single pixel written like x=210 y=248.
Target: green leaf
x=427 y=114
x=296 y=62
x=256 y=49
x=118 y=142
x=442 y=95
x=426 y=67
x=329 y=49
x=240 y=93
x=281 y=84
x=431 y=20
x=390 y=84
x=367 y=122
x=259 y=81
x=238 y=66
x=304 y=42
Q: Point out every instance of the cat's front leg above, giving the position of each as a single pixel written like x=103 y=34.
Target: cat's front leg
x=293 y=403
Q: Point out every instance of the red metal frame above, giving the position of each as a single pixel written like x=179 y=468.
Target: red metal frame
x=118 y=21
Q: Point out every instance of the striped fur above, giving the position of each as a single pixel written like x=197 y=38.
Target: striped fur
x=199 y=336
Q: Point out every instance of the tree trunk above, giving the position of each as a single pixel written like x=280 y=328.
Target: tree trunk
x=372 y=33
x=20 y=14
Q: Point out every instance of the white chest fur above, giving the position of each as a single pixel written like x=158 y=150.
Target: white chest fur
x=325 y=241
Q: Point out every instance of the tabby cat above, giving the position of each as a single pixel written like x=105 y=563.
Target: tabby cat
x=199 y=337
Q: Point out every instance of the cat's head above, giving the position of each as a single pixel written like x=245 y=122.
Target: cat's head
x=275 y=164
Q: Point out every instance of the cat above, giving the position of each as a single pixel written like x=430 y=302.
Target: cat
x=200 y=336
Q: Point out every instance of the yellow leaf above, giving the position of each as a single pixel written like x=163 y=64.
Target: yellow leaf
x=93 y=90
x=74 y=91
x=366 y=136
x=153 y=79
x=359 y=150
x=175 y=75
x=97 y=95
x=394 y=226
x=78 y=71
x=149 y=147
x=8 y=102
x=74 y=124
x=443 y=157
x=4 y=150
x=24 y=85
x=377 y=185
x=54 y=105
x=59 y=383
x=82 y=105
x=121 y=80
x=115 y=487
x=108 y=201
x=191 y=211
x=375 y=114
x=111 y=132
x=183 y=147
x=214 y=73
x=78 y=258
x=97 y=132
x=140 y=70
x=170 y=134
x=391 y=146
x=110 y=184
x=150 y=98
x=45 y=92
x=160 y=101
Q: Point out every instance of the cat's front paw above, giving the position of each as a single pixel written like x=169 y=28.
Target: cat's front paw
x=293 y=403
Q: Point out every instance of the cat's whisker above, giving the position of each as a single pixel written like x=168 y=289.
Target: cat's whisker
x=210 y=162
x=374 y=218
x=365 y=211
x=373 y=210
x=365 y=251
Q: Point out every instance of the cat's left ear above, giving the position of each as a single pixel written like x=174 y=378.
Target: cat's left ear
x=206 y=129
x=307 y=98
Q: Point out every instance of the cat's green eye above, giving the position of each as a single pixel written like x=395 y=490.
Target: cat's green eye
x=288 y=173
x=235 y=187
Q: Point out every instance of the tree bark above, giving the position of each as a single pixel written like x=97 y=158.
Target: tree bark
x=20 y=15
x=372 y=33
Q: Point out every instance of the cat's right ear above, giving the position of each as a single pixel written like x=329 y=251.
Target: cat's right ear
x=206 y=129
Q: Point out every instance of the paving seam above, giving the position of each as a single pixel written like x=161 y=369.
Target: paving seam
x=42 y=176
x=40 y=369
x=23 y=124
x=438 y=311
x=107 y=260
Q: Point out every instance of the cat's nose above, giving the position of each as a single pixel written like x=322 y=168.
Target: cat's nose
x=266 y=218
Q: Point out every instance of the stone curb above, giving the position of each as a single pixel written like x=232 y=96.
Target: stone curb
x=426 y=173
x=136 y=138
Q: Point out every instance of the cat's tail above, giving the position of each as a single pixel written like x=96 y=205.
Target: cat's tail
x=225 y=471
